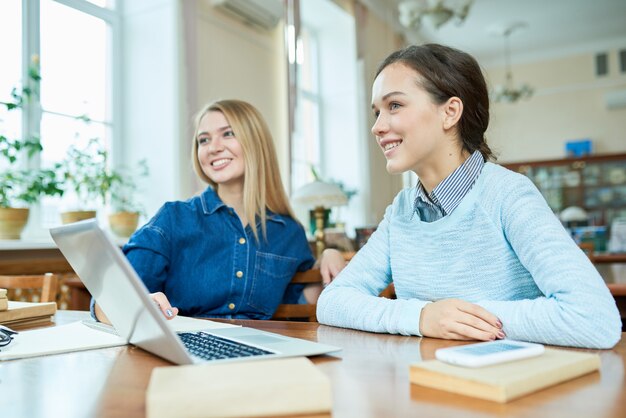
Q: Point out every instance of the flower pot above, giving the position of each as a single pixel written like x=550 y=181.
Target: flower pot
x=123 y=224
x=77 y=215
x=12 y=222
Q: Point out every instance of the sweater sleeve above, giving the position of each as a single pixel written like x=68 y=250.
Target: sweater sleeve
x=351 y=300
x=577 y=308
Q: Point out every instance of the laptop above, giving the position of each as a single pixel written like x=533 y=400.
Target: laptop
x=112 y=281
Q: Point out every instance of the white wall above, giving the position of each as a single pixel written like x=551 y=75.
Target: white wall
x=568 y=104
x=152 y=97
x=235 y=61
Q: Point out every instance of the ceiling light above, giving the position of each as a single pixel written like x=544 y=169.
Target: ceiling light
x=507 y=92
x=413 y=12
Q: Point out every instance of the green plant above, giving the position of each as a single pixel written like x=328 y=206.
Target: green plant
x=124 y=192
x=19 y=186
x=27 y=186
x=86 y=170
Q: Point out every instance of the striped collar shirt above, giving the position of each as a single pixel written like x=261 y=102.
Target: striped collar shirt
x=448 y=194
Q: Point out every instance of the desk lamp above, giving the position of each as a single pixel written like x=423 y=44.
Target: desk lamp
x=574 y=216
x=318 y=196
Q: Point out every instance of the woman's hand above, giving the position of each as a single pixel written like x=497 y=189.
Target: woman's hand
x=100 y=316
x=332 y=262
x=164 y=305
x=455 y=319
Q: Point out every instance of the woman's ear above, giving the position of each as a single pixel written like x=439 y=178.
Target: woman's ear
x=452 y=111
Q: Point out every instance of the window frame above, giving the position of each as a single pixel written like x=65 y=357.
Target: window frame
x=314 y=96
x=32 y=113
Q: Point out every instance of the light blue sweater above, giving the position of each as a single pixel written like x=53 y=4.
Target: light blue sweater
x=502 y=248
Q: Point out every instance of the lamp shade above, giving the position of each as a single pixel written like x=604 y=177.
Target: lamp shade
x=319 y=193
x=573 y=214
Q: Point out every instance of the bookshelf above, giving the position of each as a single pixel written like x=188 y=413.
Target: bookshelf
x=595 y=183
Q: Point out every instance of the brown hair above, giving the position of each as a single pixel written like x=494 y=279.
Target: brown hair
x=262 y=186
x=446 y=72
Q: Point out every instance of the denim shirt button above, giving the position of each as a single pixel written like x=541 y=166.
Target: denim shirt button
x=231 y=306
x=239 y=274
x=242 y=240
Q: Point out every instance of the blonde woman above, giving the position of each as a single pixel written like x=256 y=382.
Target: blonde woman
x=231 y=251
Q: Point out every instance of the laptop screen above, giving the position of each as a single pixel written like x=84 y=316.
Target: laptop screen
x=117 y=288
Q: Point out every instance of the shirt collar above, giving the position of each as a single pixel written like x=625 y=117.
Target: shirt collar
x=211 y=202
x=449 y=193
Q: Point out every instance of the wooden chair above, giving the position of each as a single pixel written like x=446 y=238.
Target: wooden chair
x=31 y=288
x=301 y=312
x=307 y=312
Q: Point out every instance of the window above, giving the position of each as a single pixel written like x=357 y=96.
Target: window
x=75 y=71
x=328 y=134
x=76 y=45
x=305 y=151
x=10 y=70
x=103 y=3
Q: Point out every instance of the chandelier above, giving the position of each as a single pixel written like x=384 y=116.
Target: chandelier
x=507 y=92
x=413 y=12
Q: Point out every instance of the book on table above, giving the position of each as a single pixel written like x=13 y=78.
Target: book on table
x=506 y=381
x=4 y=302
x=27 y=313
x=262 y=388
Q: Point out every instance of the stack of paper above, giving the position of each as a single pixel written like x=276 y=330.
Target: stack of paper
x=60 y=339
x=84 y=335
x=4 y=302
x=27 y=313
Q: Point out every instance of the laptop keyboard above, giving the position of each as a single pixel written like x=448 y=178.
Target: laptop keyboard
x=210 y=347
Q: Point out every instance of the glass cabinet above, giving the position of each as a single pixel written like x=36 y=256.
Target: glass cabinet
x=594 y=183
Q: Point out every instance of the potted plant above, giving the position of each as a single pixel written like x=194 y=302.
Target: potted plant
x=20 y=188
x=85 y=172
x=125 y=206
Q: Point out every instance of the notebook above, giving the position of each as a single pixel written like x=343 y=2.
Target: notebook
x=125 y=300
x=84 y=335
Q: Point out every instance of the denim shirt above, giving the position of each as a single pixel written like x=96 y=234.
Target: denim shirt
x=198 y=253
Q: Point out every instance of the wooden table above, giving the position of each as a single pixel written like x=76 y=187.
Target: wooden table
x=369 y=379
x=37 y=260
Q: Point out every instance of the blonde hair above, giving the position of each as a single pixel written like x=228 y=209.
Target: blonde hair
x=262 y=185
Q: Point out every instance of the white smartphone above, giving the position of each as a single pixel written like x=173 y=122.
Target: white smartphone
x=488 y=353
